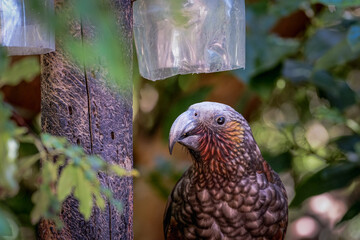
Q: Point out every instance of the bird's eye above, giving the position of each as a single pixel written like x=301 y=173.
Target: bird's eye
x=220 y=120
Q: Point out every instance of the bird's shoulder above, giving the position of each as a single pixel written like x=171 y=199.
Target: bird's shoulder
x=170 y=225
x=276 y=215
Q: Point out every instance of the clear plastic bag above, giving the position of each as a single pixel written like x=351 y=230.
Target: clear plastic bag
x=189 y=36
x=22 y=30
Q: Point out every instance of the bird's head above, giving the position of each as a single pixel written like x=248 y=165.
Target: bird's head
x=210 y=130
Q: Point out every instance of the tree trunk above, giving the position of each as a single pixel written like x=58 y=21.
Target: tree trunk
x=77 y=102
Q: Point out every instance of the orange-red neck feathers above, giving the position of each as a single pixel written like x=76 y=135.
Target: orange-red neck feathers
x=220 y=144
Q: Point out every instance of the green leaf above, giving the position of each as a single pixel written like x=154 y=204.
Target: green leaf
x=119 y=170
x=27 y=162
x=338 y=92
x=25 y=69
x=42 y=201
x=95 y=162
x=83 y=193
x=122 y=172
x=100 y=202
x=49 y=172
x=353 y=211
x=9 y=225
x=8 y=153
x=117 y=204
x=5 y=229
x=45 y=138
x=134 y=173
x=331 y=115
x=90 y=175
x=27 y=148
x=340 y=54
x=106 y=191
x=331 y=177
x=321 y=42
x=50 y=141
x=67 y=181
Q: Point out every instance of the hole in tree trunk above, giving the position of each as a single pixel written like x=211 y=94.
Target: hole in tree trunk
x=112 y=135
x=70 y=110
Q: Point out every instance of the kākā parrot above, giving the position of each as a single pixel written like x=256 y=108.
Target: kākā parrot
x=230 y=191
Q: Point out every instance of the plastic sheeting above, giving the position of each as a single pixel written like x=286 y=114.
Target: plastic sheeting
x=189 y=36
x=22 y=31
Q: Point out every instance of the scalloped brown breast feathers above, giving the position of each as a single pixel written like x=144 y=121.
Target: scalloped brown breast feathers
x=230 y=191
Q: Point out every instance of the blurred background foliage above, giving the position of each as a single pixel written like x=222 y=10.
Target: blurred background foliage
x=300 y=92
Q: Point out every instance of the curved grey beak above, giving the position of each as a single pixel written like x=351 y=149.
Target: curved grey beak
x=181 y=131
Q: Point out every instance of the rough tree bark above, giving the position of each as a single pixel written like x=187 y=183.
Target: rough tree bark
x=77 y=103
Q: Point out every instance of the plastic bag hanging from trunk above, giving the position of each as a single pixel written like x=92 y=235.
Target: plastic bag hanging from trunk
x=22 y=30
x=189 y=36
